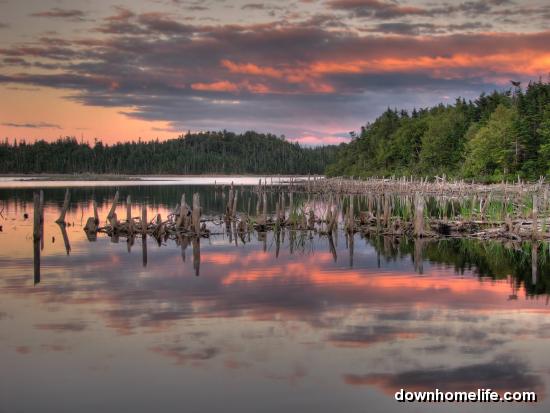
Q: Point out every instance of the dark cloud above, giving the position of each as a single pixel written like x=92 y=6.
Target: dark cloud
x=366 y=335
x=72 y=326
x=182 y=354
x=434 y=348
x=45 y=51
x=4 y=25
x=16 y=61
x=197 y=8
x=402 y=28
x=392 y=10
x=405 y=315
x=473 y=8
x=33 y=125
x=502 y=374
x=254 y=6
x=377 y=8
x=210 y=76
x=162 y=23
x=71 y=14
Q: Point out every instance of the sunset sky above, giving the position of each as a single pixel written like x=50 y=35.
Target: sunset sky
x=119 y=70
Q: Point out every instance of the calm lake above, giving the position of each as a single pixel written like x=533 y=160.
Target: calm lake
x=267 y=323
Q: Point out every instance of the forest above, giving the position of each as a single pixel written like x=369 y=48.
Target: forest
x=208 y=152
x=497 y=136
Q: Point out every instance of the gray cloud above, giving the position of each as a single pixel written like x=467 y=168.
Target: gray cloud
x=254 y=6
x=33 y=125
x=377 y=8
x=389 y=10
x=403 y=28
x=182 y=354
x=210 y=76
x=71 y=14
x=502 y=374
x=70 y=326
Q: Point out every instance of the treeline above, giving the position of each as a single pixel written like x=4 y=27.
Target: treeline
x=497 y=136
x=200 y=153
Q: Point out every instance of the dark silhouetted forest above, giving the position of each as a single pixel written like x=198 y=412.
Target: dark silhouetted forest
x=497 y=136
x=209 y=152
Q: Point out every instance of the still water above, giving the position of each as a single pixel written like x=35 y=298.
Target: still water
x=271 y=324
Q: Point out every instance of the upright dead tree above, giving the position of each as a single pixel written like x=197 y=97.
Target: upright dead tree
x=61 y=219
x=229 y=213
x=351 y=216
x=234 y=206
x=129 y=219
x=183 y=221
x=535 y=225
x=196 y=214
x=419 y=215
x=111 y=216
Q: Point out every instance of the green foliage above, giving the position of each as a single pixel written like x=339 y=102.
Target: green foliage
x=443 y=140
x=544 y=132
x=209 y=152
x=497 y=136
x=489 y=152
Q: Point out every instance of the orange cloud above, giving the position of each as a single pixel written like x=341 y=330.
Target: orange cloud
x=488 y=66
x=221 y=86
x=251 y=69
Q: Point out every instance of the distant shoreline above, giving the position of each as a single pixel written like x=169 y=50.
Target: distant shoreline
x=125 y=177
x=15 y=181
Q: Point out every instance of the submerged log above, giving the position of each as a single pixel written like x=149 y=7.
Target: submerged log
x=91 y=229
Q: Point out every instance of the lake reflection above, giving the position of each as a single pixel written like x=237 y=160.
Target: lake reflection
x=276 y=323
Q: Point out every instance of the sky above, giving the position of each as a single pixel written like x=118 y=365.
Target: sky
x=119 y=70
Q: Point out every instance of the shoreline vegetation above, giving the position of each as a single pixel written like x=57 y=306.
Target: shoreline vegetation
x=501 y=136
x=396 y=207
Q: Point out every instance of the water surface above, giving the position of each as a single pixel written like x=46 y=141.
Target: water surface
x=265 y=324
